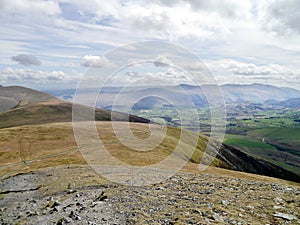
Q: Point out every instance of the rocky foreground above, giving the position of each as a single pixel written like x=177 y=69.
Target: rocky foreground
x=182 y=199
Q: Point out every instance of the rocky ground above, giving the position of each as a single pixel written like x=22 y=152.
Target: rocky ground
x=185 y=198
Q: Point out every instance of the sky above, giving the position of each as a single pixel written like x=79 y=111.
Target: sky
x=52 y=44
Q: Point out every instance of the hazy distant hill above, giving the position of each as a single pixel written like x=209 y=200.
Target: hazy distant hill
x=290 y=103
x=10 y=96
x=258 y=93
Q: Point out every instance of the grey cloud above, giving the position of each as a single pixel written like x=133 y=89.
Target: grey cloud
x=26 y=60
x=227 y=8
x=281 y=16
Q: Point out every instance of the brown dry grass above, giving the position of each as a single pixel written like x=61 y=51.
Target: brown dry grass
x=54 y=145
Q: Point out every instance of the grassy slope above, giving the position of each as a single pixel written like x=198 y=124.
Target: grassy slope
x=54 y=139
x=53 y=145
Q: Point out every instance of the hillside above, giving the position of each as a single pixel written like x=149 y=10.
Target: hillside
x=42 y=112
x=52 y=181
x=44 y=175
x=28 y=112
x=10 y=96
x=45 y=139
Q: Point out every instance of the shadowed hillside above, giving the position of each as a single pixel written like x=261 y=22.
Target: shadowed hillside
x=31 y=113
x=10 y=96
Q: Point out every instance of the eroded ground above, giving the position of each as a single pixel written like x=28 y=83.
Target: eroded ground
x=77 y=195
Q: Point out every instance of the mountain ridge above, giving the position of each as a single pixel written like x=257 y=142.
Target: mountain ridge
x=232 y=93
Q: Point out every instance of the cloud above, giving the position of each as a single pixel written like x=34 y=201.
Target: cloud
x=9 y=75
x=96 y=61
x=68 y=65
x=211 y=29
x=226 y=8
x=162 y=61
x=232 y=71
x=26 y=60
x=280 y=16
x=29 y=7
x=242 y=68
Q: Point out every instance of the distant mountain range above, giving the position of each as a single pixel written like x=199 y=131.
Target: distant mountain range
x=257 y=93
x=232 y=93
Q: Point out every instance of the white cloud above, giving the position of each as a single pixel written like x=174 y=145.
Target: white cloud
x=242 y=68
x=232 y=71
x=29 y=7
x=31 y=12
x=9 y=75
x=96 y=61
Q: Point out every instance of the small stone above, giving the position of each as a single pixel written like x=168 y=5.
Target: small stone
x=217 y=217
x=63 y=220
x=225 y=202
x=31 y=213
x=71 y=191
x=60 y=221
x=207 y=221
x=196 y=211
x=250 y=207
x=160 y=188
x=77 y=218
x=101 y=197
x=278 y=201
x=53 y=204
x=285 y=216
x=31 y=200
x=57 y=209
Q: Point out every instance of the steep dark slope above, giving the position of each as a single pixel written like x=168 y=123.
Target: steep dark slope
x=243 y=162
